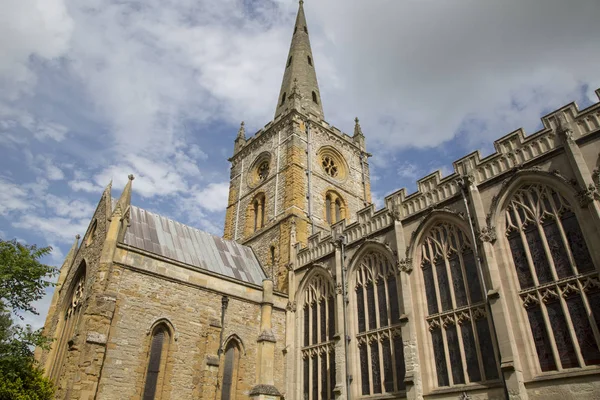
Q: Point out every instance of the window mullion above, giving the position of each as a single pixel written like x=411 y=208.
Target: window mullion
x=381 y=364
x=461 y=347
x=527 y=252
x=547 y=250
x=550 y=331
x=369 y=363
x=393 y=356
x=572 y=335
x=565 y=243
x=588 y=311
x=435 y=279
x=450 y=282
x=464 y=276
x=477 y=345
x=447 y=356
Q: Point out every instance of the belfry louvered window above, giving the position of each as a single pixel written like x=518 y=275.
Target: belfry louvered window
x=378 y=337
x=318 y=329
x=73 y=305
x=457 y=318
x=559 y=285
x=159 y=346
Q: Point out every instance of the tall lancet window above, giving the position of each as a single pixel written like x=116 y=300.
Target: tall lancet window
x=318 y=329
x=378 y=337
x=460 y=330
x=230 y=370
x=560 y=289
x=157 y=361
x=72 y=313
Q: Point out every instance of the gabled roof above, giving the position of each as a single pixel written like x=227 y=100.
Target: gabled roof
x=165 y=237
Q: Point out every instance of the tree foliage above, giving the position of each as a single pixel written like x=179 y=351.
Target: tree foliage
x=23 y=280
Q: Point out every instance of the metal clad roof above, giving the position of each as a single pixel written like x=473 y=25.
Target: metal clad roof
x=160 y=235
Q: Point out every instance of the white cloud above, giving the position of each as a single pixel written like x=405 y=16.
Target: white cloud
x=85 y=186
x=213 y=197
x=12 y=197
x=30 y=28
x=52 y=228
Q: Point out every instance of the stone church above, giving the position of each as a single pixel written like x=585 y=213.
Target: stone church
x=480 y=285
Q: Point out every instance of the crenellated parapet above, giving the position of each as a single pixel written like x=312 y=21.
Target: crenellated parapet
x=514 y=150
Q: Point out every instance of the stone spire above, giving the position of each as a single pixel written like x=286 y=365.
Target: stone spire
x=300 y=71
x=124 y=201
x=358 y=137
x=240 y=140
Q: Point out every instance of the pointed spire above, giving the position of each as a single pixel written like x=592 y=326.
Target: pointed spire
x=125 y=200
x=358 y=137
x=242 y=131
x=299 y=75
x=71 y=254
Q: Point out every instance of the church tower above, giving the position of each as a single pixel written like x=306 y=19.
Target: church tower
x=298 y=175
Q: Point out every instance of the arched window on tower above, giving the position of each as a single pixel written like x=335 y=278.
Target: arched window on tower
x=318 y=330
x=72 y=312
x=335 y=209
x=314 y=97
x=452 y=282
x=157 y=361
x=378 y=333
x=283 y=98
x=230 y=370
x=305 y=30
x=289 y=61
x=559 y=285
x=258 y=214
x=309 y=60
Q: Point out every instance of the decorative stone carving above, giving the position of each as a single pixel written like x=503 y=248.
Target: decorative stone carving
x=488 y=234
x=465 y=180
x=291 y=306
x=588 y=195
x=464 y=396
x=395 y=212
x=338 y=288
x=405 y=265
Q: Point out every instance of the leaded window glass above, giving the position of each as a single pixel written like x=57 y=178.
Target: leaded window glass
x=461 y=337
x=378 y=337
x=557 y=279
x=155 y=371
x=73 y=305
x=230 y=369
x=318 y=356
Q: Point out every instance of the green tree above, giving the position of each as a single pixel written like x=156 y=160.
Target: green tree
x=23 y=280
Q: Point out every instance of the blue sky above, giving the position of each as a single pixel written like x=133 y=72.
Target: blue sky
x=93 y=91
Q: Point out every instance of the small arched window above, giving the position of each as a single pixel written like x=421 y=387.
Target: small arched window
x=309 y=60
x=314 y=97
x=72 y=312
x=92 y=234
x=305 y=30
x=258 y=211
x=289 y=61
x=283 y=98
x=157 y=361
x=230 y=370
x=334 y=208
x=272 y=255
x=295 y=29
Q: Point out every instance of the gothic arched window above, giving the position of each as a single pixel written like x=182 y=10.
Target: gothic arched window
x=335 y=210
x=314 y=97
x=460 y=331
x=258 y=214
x=559 y=285
x=230 y=370
x=318 y=329
x=72 y=313
x=379 y=340
x=157 y=360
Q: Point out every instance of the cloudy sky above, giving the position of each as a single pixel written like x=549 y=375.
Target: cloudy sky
x=95 y=90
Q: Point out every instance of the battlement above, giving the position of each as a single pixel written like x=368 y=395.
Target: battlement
x=513 y=149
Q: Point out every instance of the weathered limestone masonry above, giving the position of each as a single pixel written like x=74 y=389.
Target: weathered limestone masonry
x=565 y=155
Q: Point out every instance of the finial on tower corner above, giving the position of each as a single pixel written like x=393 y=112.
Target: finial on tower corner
x=242 y=131
x=77 y=237
x=131 y=177
x=301 y=2
x=357 y=128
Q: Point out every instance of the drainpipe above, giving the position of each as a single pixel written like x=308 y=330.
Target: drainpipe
x=309 y=176
x=483 y=282
x=342 y=241
x=224 y=303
